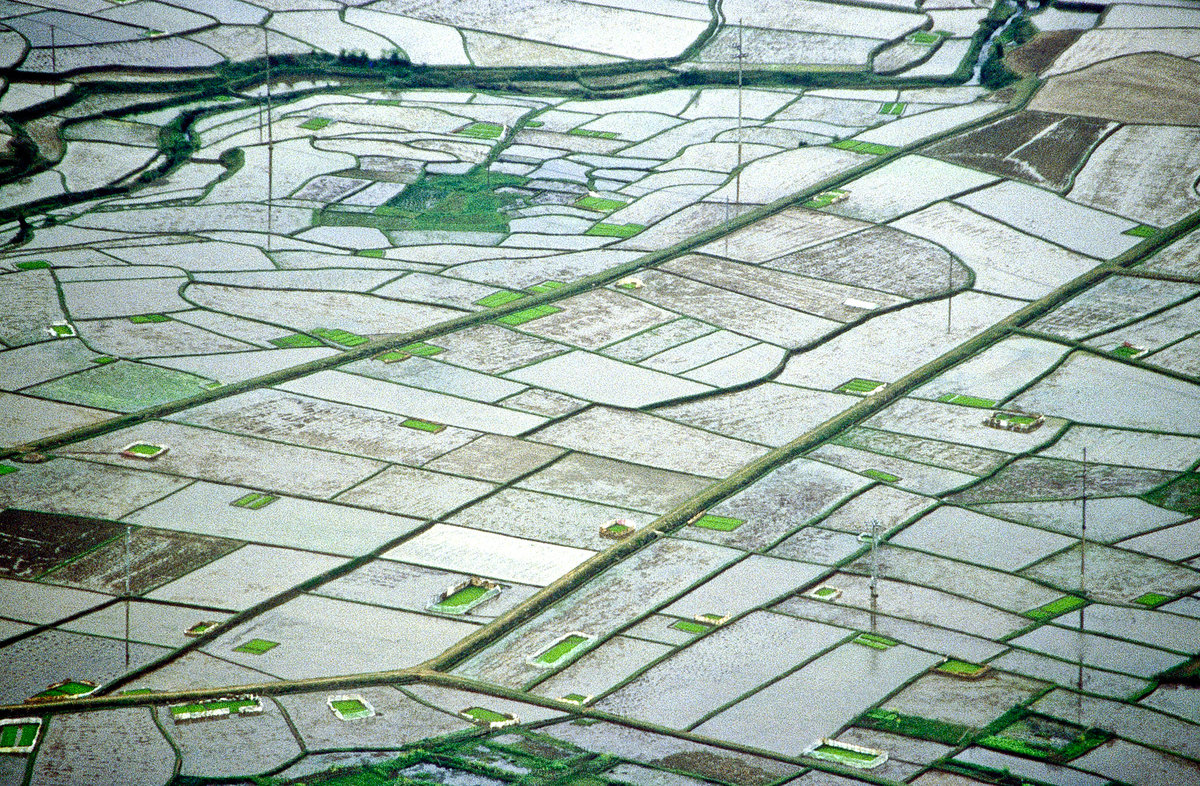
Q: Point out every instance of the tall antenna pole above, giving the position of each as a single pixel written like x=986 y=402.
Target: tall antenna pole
x=128 y=536
x=874 y=571
x=949 y=291
x=270 y=144
x=741 y=56
x=1082 y=576
x=727 y=224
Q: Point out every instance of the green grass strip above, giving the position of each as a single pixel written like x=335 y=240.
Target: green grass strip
x=1055 y=607
x=315 y=123
x=7 y=470
x=339 y=336
x=501 y=298
x=595 y=134
x=481 y=130
x=719 y=523
x=959 y=667
x=1152 y=599
x=464 y=596
x=858 y=146
x=1141 y=230
x=859 y=386
x=421 y=349
x=484 y=714
x=371 y=253
x=614 y=230
x=913 y=726
x=545 y=286
x=142 y=319
x=528 y=315
x=880 y=475
x=100 y=360
x=35 y=264
x=845 y=754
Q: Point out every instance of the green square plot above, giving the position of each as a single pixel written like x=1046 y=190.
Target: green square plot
x=860 y=387
x=145 y=449
x=527 y=315
x=1152 y=599
x=482 y=130
x=892 y=108
x=142 y=319
x=501 y=298
x=35 y=264
x=546 y=286
x=1127 y=351
x=560 y=650
x=880 y=475
x=256 y=646
x=422 y=350
x=485 y=715
x=913 y=726
x=687 y=626
x=350 y=709
x=1141 y=230
x=315 y=123
x=599 y=204
x=961 y=668
x=614 y=230
x=1056 y=607
x=875 y=641
x=100 y=360
x=719 y=523
x=423 y=425
x=296 y=341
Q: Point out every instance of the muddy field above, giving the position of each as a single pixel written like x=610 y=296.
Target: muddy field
x=32 y=543
x=1140 y=88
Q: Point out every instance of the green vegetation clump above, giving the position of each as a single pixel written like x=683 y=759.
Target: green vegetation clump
x=36 y=264
x=836 y=752
x=688 y=626
x=315 y=123
x=66 y=689
x=351 y=708
x=423 y=425
x=18 y=735
x=892 y=108
x=875 y=641
x=913 y=726
x=825 y=198
x=880 y=475
x=545 y=286
x=370 y=253
x=614 y=230
x=5 y=469
x=960 y=667
x=100 y=360
x=860 y=386
x=1152 y=599
x=527 y=315
x=1181 y=494
x=596 y=134
x=256 y=646
x=559 y=650
x=1056 y=607
x=295 y=341
x=464 y=597
x=1042 y=737
x=144 y=449
x=719 y=523
x=1141 y=230
x=253 y=501
x=422 y=350
x=485 y=715
x=142 y=319
x=472 y=202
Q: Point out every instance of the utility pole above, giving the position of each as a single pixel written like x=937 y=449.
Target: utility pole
x=270 y=143
x=54 y=61
x=741 y=56
x=128 y=537
x=1082 y=577
x=949 y=291
x=874 y=571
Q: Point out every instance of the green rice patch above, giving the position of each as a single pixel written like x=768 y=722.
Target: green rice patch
x=1181 y=494
x=501 y=298
x=594 y=134
x=7 y=470
x=422 y=350
x=577 y=698
x=560 y=650
x=860 y=386
x=370 y=253
x=913 y=726
x=527 y=315
x=534 y=124
x=858 y=146
x=350 y=708
x=599 y=204
x=545 y=286
x=1152 y=599
x=144 y=449
x=875 y=641
x=295 y=341
x=1055 y=608
x=1141 y=230
x=121 y=386
x=844 y=754
x=614 y=230
x=1042 y=737
x=315 y=123
x=719 y=523
x=967 y=401
x=892 y=108
x=471 y=202
x=142 y=319
x=34 y=264
x=339 y=336
x=1126 y=352
x=485 y=715
x=481 y=130
x=825 y=198
x=880 y=475
x=423 y=425
x=100 y=360
x=464 y=597
x=687 y=626
x=924 y=38
x=68 y=688
x=18 y=735
x=960 y=667
x=256 y=646
x=253 y=501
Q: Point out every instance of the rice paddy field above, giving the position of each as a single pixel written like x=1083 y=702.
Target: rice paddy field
x=606 y=393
